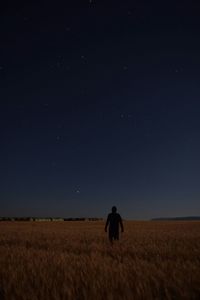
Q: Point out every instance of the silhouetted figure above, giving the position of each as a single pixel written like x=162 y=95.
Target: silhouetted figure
x=113 y=221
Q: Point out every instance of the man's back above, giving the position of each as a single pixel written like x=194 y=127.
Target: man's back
x=114 y=219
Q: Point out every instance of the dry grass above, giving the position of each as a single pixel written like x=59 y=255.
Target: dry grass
x=74 y=260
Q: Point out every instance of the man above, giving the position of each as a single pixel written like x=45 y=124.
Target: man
x=113 y=221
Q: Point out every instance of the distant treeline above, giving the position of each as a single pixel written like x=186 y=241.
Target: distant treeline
x=50 y=219
x=190 y=218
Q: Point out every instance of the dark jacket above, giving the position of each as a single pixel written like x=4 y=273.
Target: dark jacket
x=113 y=221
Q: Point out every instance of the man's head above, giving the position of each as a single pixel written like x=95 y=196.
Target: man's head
x=114 y=209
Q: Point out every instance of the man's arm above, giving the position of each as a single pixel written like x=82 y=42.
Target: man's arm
x=107 y=222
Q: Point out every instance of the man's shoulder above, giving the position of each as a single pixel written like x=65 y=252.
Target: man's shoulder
x=114 y=215
x=118 y=215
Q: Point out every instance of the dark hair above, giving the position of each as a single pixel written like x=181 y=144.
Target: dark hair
x=114 y=209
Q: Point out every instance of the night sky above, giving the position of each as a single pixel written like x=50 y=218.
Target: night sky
x=100 y=106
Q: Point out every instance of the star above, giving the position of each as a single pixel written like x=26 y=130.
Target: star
x=53 y=164
x=58 y=137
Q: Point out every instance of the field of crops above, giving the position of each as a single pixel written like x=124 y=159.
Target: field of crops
x=74 y=260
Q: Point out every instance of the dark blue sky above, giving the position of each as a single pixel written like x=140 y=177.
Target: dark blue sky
x=99 y=106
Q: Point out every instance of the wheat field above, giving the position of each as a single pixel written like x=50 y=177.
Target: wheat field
x=74 y=260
